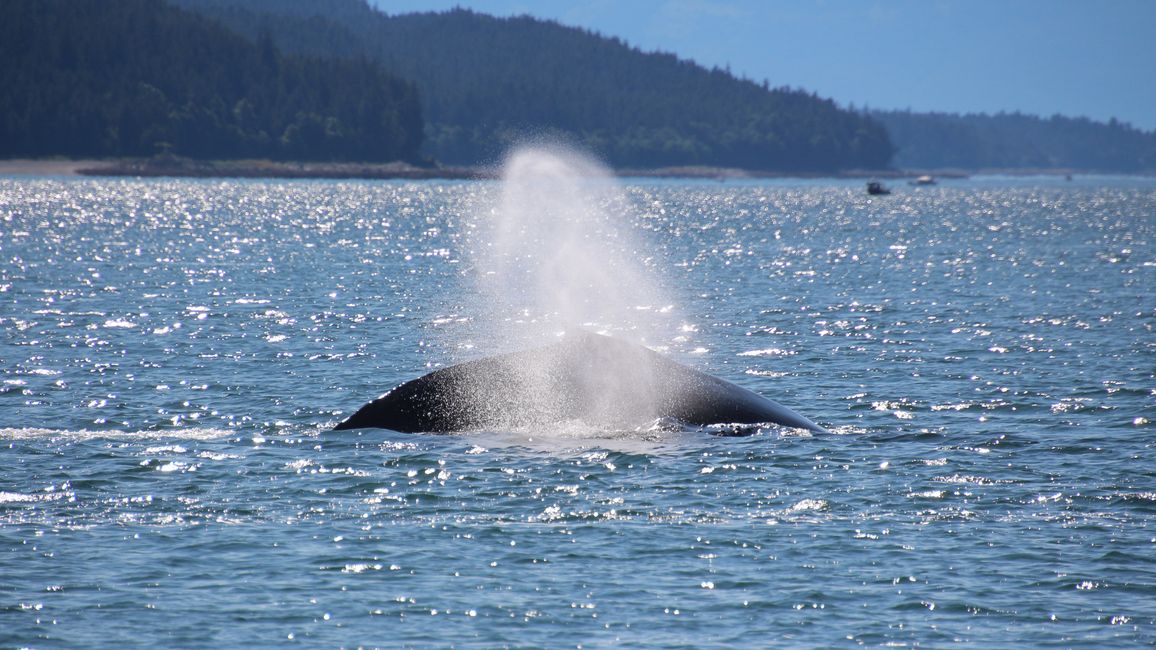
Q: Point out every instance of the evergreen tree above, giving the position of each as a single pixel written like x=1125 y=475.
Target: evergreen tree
x=138 y=77
x=485 y=81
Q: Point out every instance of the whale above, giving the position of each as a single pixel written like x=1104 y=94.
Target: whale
x=596 y=380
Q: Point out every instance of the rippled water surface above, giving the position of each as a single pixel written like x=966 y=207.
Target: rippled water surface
x=173 y=354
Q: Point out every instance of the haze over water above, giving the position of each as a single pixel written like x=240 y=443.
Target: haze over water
x=173 y=354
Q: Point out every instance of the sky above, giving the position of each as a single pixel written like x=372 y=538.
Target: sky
x=1090 y=58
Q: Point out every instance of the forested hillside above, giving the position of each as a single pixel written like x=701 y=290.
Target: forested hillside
x=1016 y=141
x=486 y=81
x=140 y=77
x=337 y=80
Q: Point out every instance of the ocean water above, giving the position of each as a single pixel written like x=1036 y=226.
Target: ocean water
x=173 y=354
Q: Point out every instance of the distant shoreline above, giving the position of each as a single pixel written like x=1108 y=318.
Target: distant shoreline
x=185 y=168
x=44 y=167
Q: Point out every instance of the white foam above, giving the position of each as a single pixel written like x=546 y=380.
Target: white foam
x=190 y=433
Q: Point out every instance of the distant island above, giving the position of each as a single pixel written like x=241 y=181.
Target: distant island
x=337 y=88
x=1014 y=141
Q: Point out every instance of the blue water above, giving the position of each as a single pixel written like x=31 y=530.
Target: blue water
x=173 y=353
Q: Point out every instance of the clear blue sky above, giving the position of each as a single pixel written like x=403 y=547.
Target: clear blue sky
x=1093 y=58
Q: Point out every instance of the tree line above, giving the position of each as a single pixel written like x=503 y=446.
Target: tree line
x=92 y=78
x=485 y=82
x=338 y=80
x=1017 y=141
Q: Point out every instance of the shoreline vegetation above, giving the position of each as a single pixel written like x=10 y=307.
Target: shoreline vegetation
x=338 y=89
x=176 y=167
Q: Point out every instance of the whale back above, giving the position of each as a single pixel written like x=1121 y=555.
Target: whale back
x=598 y=380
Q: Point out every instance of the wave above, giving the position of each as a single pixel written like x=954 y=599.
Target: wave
x=184 y=433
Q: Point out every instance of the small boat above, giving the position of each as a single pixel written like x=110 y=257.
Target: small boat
x=924 y=180
x=875 y=188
